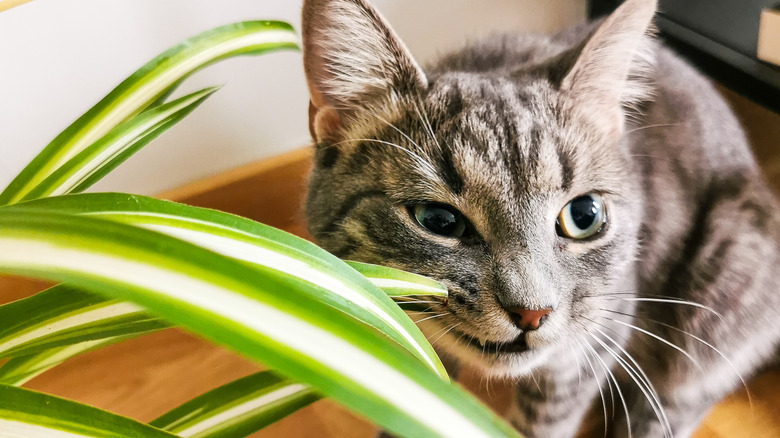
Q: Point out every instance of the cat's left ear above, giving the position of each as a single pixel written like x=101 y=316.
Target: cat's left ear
x=611 y=72
x=354 y=64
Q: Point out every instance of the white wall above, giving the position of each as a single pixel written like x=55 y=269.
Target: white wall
x=59 y=57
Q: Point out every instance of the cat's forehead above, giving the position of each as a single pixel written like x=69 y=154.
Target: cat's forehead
x=497 y=132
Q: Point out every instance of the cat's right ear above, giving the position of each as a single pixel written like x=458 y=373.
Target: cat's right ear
x=614 y=67
x=354 y=64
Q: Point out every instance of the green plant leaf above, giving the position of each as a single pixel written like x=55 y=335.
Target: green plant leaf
x=235 y=409
x=40 y=326
x=61 y=322
x=20 y=370
x=238 y=408
x=146 y=87
x=397 y=283
x=25 y=413
x=256 y=311
x=333 y=282
x=63 y=315
x=102 y=156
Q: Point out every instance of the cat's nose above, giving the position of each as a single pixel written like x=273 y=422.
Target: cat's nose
x=529 y=319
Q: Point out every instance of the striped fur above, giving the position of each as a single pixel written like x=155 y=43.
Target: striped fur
x=678 y=290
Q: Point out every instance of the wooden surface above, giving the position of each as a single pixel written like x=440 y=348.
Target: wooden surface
x=269 y=191
x=144 y=377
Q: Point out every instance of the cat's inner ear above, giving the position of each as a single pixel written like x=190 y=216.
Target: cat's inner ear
x=612 y=72
x=354 y=64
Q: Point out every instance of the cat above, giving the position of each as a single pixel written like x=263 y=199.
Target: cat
x=587 y=197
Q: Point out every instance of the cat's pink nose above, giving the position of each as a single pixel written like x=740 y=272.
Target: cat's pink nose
x=529 y=319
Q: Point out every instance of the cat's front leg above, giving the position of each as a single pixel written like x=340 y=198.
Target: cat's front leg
x=677 y=420
x=724 y=326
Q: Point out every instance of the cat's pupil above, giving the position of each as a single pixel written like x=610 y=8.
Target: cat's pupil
x=440 y=219
x=584 y=211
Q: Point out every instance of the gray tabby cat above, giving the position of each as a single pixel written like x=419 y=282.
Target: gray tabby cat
x=587 y=197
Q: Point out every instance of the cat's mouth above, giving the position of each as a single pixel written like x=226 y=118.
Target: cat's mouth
x=519 y=345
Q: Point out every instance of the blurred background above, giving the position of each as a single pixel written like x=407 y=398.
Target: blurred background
x=59 y=57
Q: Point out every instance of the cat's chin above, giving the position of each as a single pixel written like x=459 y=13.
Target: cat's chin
x=493 y=359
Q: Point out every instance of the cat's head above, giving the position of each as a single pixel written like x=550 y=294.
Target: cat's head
x=508 y=184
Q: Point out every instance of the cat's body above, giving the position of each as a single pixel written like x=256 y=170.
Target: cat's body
x=506 y=132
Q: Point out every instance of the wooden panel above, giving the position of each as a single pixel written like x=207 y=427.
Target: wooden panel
x=14 y=288
x=736 y=417
x=144 y=377
x=769 y=36
x=269 y=191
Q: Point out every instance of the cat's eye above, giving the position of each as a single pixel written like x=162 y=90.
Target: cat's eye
x=439 y=219
x=582 y=217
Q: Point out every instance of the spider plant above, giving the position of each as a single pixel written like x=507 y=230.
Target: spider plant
x=126 y=265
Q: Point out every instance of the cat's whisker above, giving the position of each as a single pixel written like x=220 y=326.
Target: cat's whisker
x=484 y=379
x=427 y=166
x=613 y=406
x=443 y=334
x=468 y=344
x=536 y=382
x=659 y=125
x=655 y=336
x=419 y=312
x=430 y=317
x=617 y=387
x=640 y=379
x=437 y=332
x=640 y=383
x=631 y=292
x=424 y=119
x=605 y=327
x=671 y=301
x=579 y=371
x=598 y=385
x=403 y=134
x=715 y=349
x=489 y=381
x=634 y=113
x=635 y=294
x=609 y=383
